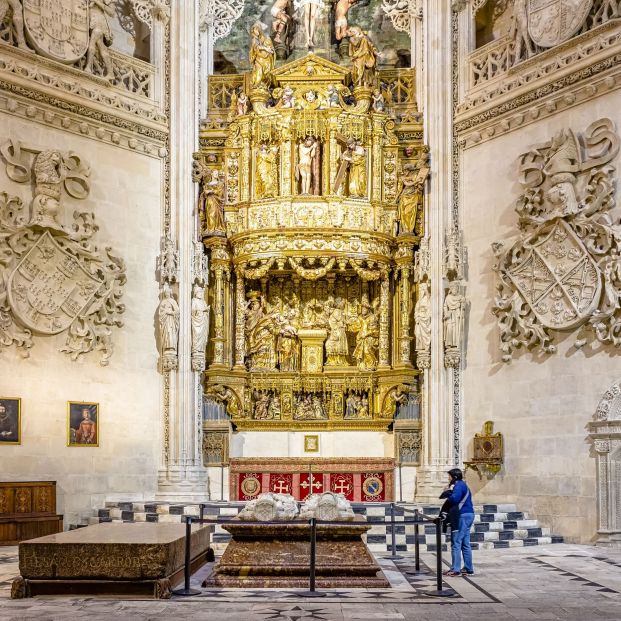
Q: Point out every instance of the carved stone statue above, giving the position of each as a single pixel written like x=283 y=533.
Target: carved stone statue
x=422 y=325
x=169 y=261
x=378 y=101
x=49 y=171
x=101 y=35
x=519 y=31
x=262 y=58
x=312 y=9
x=395 y=396
x=266 y=185
x=341 y=9
x=242 y=105
x=327 y=506
x=168 y=319
x=17 y=20
x=363 y=54
x=337 y=348
x=287 y=99
x=309 y=166
x=454 y=310
x=200 y=327
x=366 y=327
x=270 y=507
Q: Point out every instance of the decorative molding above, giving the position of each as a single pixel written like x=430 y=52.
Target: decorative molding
x=401 y=13
x=562 y=273
x=220 y=15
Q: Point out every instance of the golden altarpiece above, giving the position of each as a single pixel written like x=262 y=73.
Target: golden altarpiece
x=311 y=204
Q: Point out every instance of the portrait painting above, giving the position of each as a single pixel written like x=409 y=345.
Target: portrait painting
x=10 y=420
x=82 y=424
x=311 y=444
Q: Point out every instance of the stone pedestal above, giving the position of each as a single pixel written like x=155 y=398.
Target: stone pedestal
x=109 y=559
x=312 y=349
x=264 y=556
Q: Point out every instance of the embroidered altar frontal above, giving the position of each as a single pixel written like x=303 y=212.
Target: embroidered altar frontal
x=359 y=480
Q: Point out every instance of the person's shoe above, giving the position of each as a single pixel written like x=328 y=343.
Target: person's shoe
x=451 y=573
x=465 y=572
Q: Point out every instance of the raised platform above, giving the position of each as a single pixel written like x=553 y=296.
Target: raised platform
x=264 y=556
x=109 y=559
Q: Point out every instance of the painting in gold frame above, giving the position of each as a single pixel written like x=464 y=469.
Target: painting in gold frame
x=311 y=444
x=82 y=423
x=10 y=420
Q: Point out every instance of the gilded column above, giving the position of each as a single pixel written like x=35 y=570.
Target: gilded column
x=240 y=319
x=384 y=342
x=404 y=258
x=220 y=268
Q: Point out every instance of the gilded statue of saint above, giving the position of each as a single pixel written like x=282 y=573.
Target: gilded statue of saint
x=266 y=185
x=260 y=341
x=363 y=54
x=411 y=189
x=366 y=327
x=308 y=166
x=336 y=343
x=262 y=57
x=211 y=205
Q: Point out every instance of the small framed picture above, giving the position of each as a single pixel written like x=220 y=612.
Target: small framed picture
x=311 y=444
x=10 y=420
x=82 y=424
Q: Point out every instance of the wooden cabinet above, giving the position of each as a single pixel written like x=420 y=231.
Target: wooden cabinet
x=27 y=511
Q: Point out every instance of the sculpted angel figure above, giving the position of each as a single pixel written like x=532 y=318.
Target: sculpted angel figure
x=242 y=104
x=266 y=185
x=287 y=99
x=101 y=35
x=17 y=19
x=308 y=166
x=363 y=54
x=262 y=57
x=378 y=101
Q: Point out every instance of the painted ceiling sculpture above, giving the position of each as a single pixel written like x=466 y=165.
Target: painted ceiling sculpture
x=311 y=206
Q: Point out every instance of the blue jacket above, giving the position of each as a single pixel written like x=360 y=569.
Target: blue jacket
x=460 y=491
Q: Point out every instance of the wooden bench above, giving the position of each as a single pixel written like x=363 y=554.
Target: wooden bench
x=27 y=511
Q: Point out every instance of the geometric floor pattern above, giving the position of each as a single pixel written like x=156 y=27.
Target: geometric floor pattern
x=562 y=581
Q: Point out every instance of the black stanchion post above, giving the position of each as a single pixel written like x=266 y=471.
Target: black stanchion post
x=439 y=592
x=393 y=536
x=313 y=562
x=416 y=542
x=186 y=590
x=201 y=508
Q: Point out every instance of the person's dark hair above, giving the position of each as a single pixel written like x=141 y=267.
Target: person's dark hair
x=456 y=474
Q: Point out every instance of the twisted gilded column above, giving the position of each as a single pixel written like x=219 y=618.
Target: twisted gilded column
x=384 y=341
x=240 y=319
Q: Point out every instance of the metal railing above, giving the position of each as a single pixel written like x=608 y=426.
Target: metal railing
x=419 y=518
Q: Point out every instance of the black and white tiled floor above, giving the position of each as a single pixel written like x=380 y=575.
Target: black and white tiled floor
x=549 y=582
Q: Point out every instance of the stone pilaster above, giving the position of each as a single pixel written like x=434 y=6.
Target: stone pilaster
x=437 y=395
x=182 y=475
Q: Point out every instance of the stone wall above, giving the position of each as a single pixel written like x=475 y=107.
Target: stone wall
x=125 y=196
x=541 y=403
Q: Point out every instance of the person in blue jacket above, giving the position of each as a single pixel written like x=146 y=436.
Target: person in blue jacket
x=459 y=498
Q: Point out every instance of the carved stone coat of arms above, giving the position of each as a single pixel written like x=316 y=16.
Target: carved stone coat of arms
x=551 y=22
x=565 y=270
x=53 y=278
x=58 y=29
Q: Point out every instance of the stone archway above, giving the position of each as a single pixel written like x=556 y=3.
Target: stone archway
x=605 y=433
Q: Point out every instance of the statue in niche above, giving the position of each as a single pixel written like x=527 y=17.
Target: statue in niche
x=282 y=25
x=262 y=402
x=309 y=407
x=49 y=171
x=337 y=348
x=211 y=201
x=266 y=185
x=242 y=105
x=363 y=54
x=354 y=161
x=287 y=343
x=366 y=328
x=454 y=309
x=101 y=36
x=395 y=396
x=168 y=319
x=422 y=318
x=308 y=168
x=262 y=58
x=260 y=346
x=17 y=20
x=312 y=8
x=341 y=10
x=169 y=262
x=411 y=190
x=200 y=327
x=357 y=406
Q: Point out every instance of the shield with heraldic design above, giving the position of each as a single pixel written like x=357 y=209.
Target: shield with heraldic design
x=556 y=275
x=551 y=22
x=58 y=29
x=49 y=287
